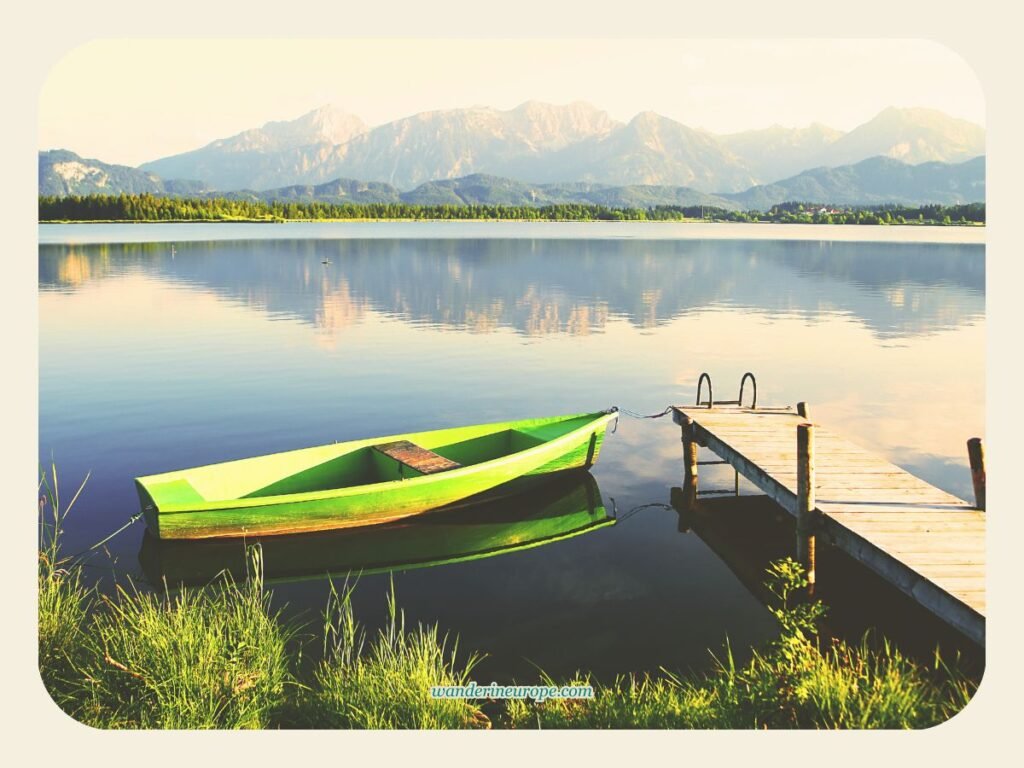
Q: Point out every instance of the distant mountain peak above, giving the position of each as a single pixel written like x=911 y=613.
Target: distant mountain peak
x=328 y=124
x=62 y=172
x=325 y=114
x=647 y=117
x=913 y=135
x=319 y=115
x=822 y=129
x=262 y=157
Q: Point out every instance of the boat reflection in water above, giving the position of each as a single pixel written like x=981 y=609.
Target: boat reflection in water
x=524 y=516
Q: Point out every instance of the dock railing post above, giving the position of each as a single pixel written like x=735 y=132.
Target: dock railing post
x=805 y=503
x=976 y=455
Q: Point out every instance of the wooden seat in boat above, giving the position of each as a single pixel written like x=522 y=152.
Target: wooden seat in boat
x=415 y=457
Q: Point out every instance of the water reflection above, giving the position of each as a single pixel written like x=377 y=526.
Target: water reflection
x=556 y=287
x=749 y=532
x=523 y=518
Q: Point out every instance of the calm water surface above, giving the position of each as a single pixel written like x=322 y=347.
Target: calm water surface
x=156 y=357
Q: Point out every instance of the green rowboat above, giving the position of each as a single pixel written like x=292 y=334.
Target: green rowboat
x=364 y=482
x=551 y=510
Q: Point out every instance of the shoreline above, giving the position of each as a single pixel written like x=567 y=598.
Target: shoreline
x=95 y=232
x=912 y=225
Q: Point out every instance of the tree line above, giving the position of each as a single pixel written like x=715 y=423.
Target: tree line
x=147 y=207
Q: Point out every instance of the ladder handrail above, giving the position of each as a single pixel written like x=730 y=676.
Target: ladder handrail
x=700 y=387
x=753 y=382
x=710 y=402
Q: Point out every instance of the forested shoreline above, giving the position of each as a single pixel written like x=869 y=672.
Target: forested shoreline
x=155 y=208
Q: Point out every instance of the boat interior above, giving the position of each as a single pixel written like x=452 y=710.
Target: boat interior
x=366 y=463
x=371 y=464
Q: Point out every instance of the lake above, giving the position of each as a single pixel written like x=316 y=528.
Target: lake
x=166 y=346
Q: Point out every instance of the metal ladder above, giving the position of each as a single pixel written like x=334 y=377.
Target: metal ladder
x=711 y=403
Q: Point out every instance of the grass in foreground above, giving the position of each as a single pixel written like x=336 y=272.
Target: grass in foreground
x=218 y=657
x=794 y=683
x=64 y=602
x=214 y=658
x=387 y=684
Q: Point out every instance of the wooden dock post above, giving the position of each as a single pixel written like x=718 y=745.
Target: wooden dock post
x=801 y=408
x=689 y=453
x=805 y=504
x=976 y=455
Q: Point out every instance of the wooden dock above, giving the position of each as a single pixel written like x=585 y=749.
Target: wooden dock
x=927 y=543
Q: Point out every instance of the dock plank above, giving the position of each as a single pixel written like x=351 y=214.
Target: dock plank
x=925 y=541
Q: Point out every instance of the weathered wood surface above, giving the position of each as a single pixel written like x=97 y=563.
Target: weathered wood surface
x=806 y=488
x=416 y=457
x=926 y=542
x=976 y=456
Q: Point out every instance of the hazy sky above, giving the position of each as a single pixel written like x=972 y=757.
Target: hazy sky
x=132 y=101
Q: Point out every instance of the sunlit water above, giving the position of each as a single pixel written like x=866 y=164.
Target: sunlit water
x=156 y=356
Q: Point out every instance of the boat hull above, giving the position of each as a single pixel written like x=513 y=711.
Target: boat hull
x=547 y=511
x=175 y=508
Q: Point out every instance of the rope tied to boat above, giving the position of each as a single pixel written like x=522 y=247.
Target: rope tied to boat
x=635 y=415
x=134 y=519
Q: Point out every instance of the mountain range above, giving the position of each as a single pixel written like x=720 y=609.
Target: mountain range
x=544 y=143
x=571 y=152
x=876 y=181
